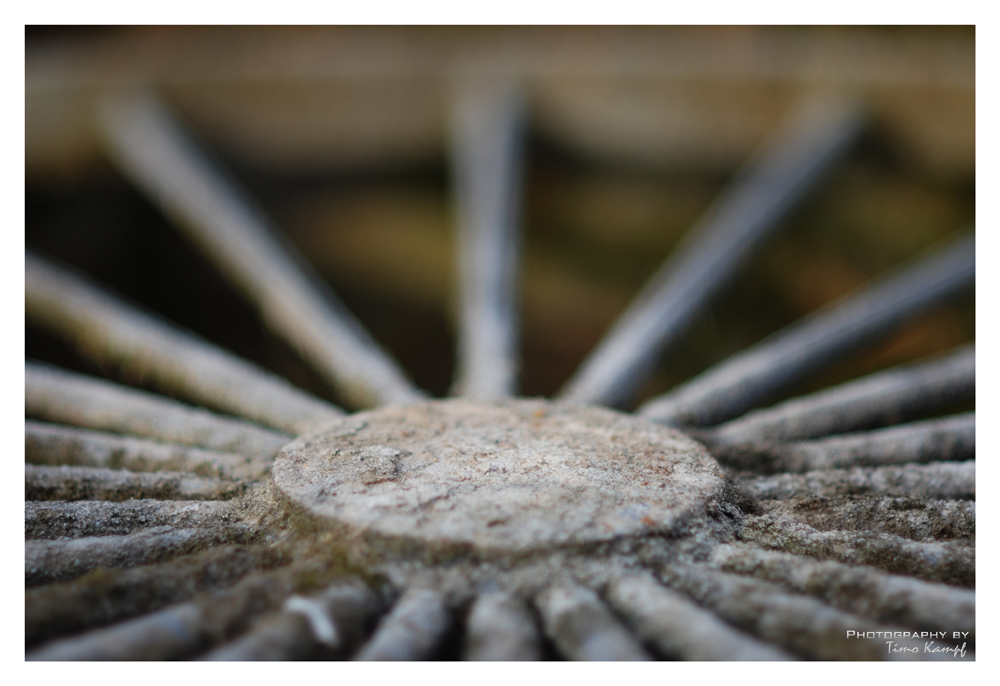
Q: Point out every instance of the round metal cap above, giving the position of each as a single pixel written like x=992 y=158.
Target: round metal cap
x=506 y=476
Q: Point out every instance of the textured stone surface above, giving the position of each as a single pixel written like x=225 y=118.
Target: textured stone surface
x=915 y=518
x=507 y=476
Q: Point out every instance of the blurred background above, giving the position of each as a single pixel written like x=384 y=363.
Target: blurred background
x=340 y=134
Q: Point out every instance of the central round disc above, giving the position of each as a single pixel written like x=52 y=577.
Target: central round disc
x=506 y=476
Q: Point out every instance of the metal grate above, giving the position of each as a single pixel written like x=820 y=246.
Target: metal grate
x=213 y=509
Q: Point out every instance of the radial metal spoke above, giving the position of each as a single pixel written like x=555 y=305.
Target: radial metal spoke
x=780 y=173
x=65 y=397
x=752 y=377
x=94 y=483
x=500 y=628
x=413 y=630
x=330 y=624
x=913 y=518
x=178 y=631
x=862 y=590
x=110 y=332
x=158 y=636
x=890 y=397
x=121 y=593
x=48 y=561
x=580 y=625
x=52 y=444
x=679 y=628
x=939 y=440
x=152 y=150
x=801 y=624
x=282 y=636
x=99 y=518
x=949 y=562
x=946 y=480
x=487 y=147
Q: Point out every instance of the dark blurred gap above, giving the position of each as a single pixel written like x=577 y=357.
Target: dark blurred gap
x=39 y=35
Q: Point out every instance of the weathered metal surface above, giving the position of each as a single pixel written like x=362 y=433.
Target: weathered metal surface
x=583 y=628
x=65 y=397
x=480 y=584
x=102 y=518
x=111 y=332
x=679 y=628
x=92 y=483
x=487 y=147
x=498 y=478
x=53 y=444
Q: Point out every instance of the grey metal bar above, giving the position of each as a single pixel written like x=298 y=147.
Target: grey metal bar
x=500 y=628
x=50 y=520
x=679 y=628
x=773 y=180
x=94 y=483
x=63 y=559
x=331 y=623
x=61 y=609
x=159 y=636
x=53 y=444
x=912 y=518
x=952 y=439
x=950 y=562
x=194 y=625
x=855 y=588
x=750 y=378
x=108 y=331
x=583 y=628
x=949 y=480
x=413 y=630
x=487 y=143
x=801 y=624
x=152 y=150
x=65 y=397
x=889 y=397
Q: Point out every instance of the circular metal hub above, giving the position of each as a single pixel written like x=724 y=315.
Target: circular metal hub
x=500 y=477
